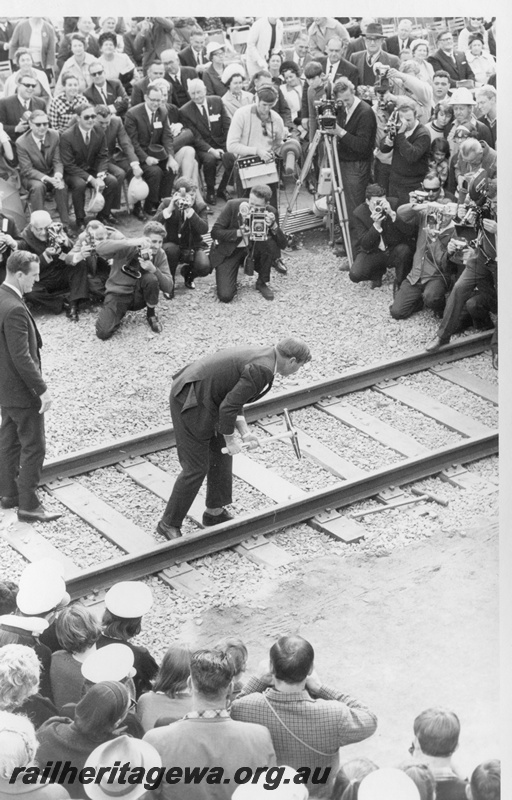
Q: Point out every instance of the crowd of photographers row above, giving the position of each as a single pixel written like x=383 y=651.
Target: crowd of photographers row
x=417 y=166
x=83 y=710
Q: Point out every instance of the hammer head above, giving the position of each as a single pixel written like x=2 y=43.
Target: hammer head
x=294 y=438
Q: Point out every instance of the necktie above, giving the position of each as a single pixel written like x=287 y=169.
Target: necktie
x=199 y=57
x=153 y=120
x=87 y=138
x=205 y=115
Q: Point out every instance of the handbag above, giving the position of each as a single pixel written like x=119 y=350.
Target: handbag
x=253 y=170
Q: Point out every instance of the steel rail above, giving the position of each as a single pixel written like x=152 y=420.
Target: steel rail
x=281 y=515
x=155 y=439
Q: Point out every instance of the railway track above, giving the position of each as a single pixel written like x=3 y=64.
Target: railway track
x=323 y=508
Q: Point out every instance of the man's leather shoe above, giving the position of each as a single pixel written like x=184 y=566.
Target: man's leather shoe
x=9 y=502
x=186 y=273
x=138 y=212
x=436 y=344
x=221 y=194
x=37 y=515
x=216 y=519
x=106 y=219
x=155 y=324
x=72 y=312
x=169 y=531
x=376 y=284
x=265 y=290
x=280 y=266
x=211 y=199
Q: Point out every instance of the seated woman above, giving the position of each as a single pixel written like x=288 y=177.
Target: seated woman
x=78 y=64
x=170 y=698
x=419 y=51
x=110 y=25
x=480 y=61
x=78 y=631
x=117 y=65
x=23 y=58
x=234 y=78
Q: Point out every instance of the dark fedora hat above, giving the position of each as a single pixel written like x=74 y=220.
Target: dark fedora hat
x=374 y=29
x=157 y=151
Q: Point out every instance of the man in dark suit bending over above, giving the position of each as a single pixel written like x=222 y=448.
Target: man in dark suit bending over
x=207 y=400
x=24 y=396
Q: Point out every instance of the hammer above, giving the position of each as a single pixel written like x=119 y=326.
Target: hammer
x=290 y=433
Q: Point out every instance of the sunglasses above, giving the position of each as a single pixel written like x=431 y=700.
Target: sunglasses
x=89 y=116
x=29 y=85
x=95 y=74
x=40 y=124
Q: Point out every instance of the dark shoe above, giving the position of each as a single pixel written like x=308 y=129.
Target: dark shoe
x=169 y=531
x=72 y=312
x=310 y=186
x=436 y=344
x=80 y=225
x=150 y=209
x=280 y=266
x=9 y=502
x=138 y=212
x=216 y=519
x=107 y=219
x=265 y=290
x=38 y=515
x=211 y=199
x=186 y=273
x=376 y=284
x=155 y=324
x=396 y=287
x=221 y=194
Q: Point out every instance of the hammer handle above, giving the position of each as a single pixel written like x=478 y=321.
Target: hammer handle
x=287 y=435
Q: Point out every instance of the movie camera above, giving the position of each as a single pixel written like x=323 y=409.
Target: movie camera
x=381 y=85
x=392 y=126
x=329 y=112
x=477 y=205
x=182 y=200
x=57 y=238
x=132 y=268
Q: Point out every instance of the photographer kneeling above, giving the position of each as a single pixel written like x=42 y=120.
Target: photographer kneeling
x=139 y=271
x=246 y=230
x=185 y=221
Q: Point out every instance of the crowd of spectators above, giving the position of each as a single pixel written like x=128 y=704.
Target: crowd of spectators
x=157 y=116
x=77 y=692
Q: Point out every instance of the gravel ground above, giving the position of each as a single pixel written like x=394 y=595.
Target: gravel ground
x=454 y=397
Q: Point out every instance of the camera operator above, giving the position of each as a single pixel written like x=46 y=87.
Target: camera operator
x=185 y=220
x=50 y=243
x=472 y=156
x=382 y=240
x=234 y=242
x=430 y=216
x=84 y=250
x=410 y=145
x=139 y=271
x=480 y=263
x=406 y=82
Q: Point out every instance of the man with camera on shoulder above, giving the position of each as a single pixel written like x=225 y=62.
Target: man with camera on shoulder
x=409 y=142
x=246 y=231
x=139 y=271
x=185 y=220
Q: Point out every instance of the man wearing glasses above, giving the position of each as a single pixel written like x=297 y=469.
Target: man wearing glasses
x=453 y=61
x=106 y=93
x=15 y=110
x=41 y=169
x=85 y=158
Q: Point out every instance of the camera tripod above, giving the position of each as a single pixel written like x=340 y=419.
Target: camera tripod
x=336 y=202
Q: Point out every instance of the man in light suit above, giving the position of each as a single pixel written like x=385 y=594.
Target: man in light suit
x=147 y=125
x=194 y=55
x=401 y=40
x=83 y=149
x=208 y=119
x=41 y=168
x=453 y=61
x=109 y=93
x=15 y=110
x=366 y=59
x=207 y=400
x=24 y=396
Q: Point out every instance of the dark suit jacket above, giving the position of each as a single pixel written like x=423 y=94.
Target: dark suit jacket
x=213 y=82
x=291 y=55
x=391 y=44
x=186 y=74
x=13 y=231
x=355 y=46
x=345 y=69
x=366 y=236
x=358 y=60
x=20 y=362
x=188 y=232
x=138 y=91
x=138 y=128
x=206 y=137
x=458 y=71
x=116 y=96
x=119 y=145
x=35 y=163
x=11 y=111
x=187 y=57
x=225 y=232
x=359 y=141
x=79 y=160
x=222 y=383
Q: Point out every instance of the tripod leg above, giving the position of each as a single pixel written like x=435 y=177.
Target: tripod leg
x=341 y=203
x=305 y=170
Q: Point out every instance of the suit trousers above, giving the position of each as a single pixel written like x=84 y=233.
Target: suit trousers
x=37 y=194
x=476 y=272
x=160 y=181
x=355 y=175
x=201 y=266
x=264 y=253
x=199 y=451
x=209 y=164
x=78 y=186
x=412 y=297
x=57 y=279
x=372 y=266
x=145 y=293
x=22 y=449
x=121 y=171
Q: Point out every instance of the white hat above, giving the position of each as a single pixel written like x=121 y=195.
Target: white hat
x=41 y=587
x=462 y=97
x=110 y=663
x=286 y=790
x=96 y=203
x=124 y=749
x=235 y=68
x=34 y=625
x=138 y=190
x=387 y=783
x=212 y=47
x=129 y=599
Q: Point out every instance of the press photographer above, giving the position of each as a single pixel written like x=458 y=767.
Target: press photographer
x=185 y=221
x=410 y=146
x=84 y=250
x=246 y=230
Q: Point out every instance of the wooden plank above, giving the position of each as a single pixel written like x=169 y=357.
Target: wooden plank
x=265 y=480
x=432 y=408
x=317 y=452
x=261 y=551
x=186 y=579
x=464 y=479
x=339 y=527
x=467 y=380
x=30 y=544
x=374 y=427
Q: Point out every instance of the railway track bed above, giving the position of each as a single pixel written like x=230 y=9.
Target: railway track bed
x=367 y=438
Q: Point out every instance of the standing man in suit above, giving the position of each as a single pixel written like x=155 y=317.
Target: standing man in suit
x=15 y=110
x=24 y=396
x=410 y=147
x=83 y=149
x=41 y=168
x=147 y=125
x=209 y=121
x=9 y=237
x=106 y=93
x=401 y=40
x=300 y=52
x=156 y=70
x=178 y=77
x=207 y=400
x=365 y=60
x=453 y=61
x=194 y=55
x=335 y=66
